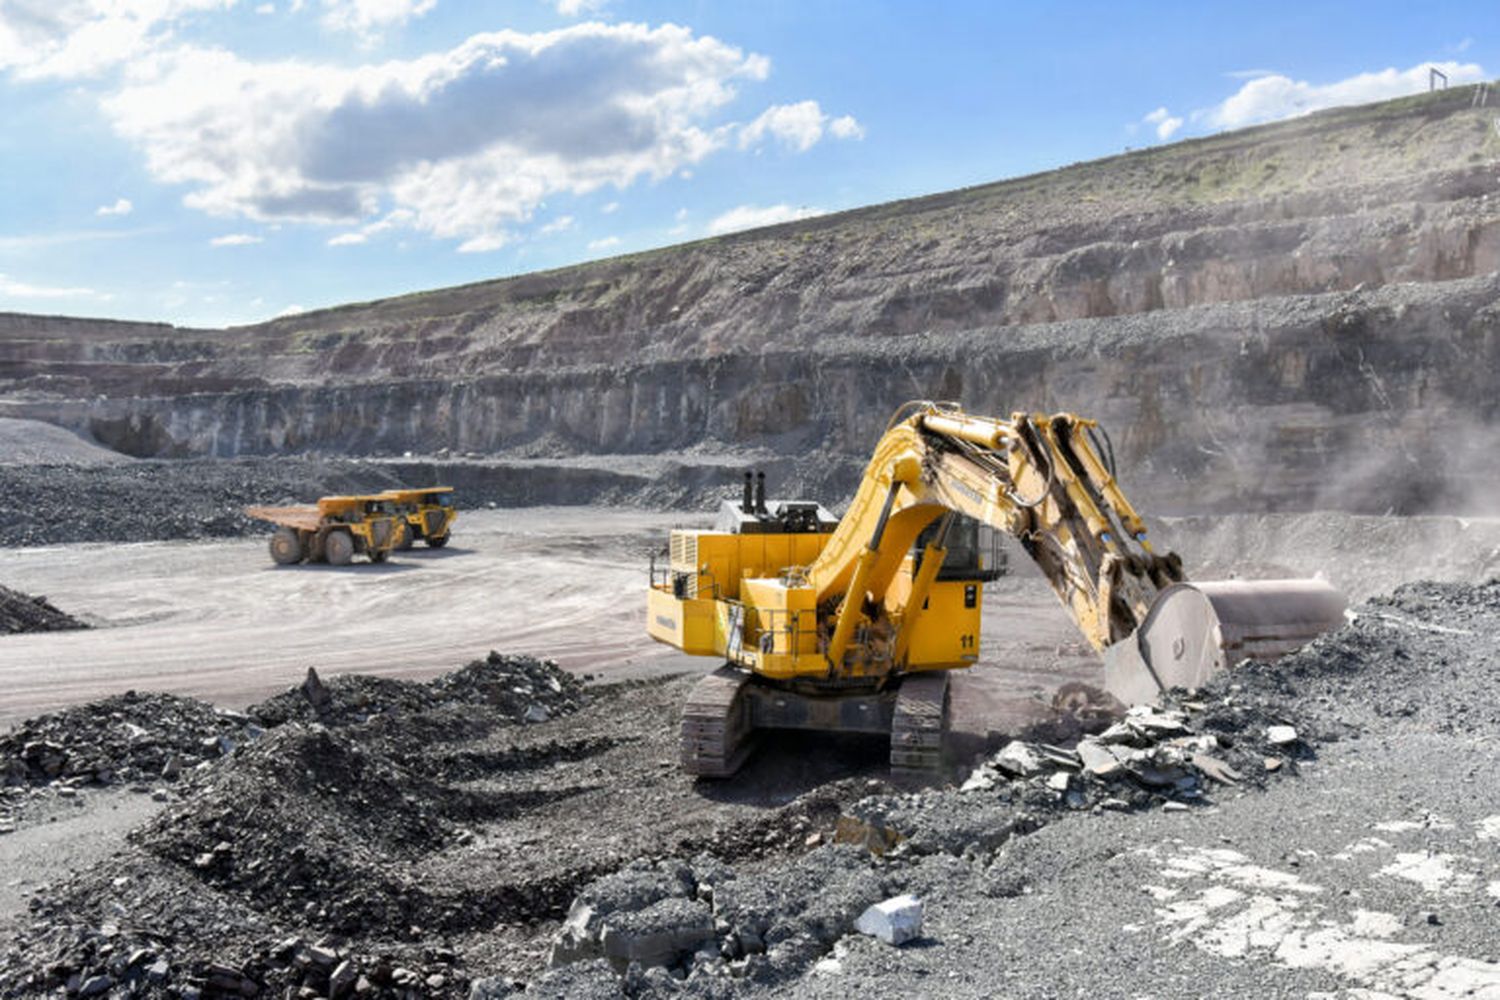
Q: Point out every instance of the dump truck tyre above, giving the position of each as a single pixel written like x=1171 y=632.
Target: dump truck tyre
x=438 y=542
x=286 y=547
x=408 y=536
x=338 y=548
x=381 y=556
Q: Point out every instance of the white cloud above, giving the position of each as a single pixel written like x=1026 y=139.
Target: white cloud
x=557 y=225
x=32 y=242
x=265 y=8
x=68 y=39
x=1274 y=97
x=291 y=310
x=753 y=217
x=610 y=209
x=798 y=126
x=845 y=127
x=467 y=143
x=576 y=8
x=11 y=288
x=363 y=233
x=605 y=243
x=1463 y=46
x=484 y=243
x=234 y=240
x=1165 y=122
x=122 y=206
x=368 y=18
x=1249 y=74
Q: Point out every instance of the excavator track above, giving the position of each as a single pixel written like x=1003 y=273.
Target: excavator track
x=716 y=733
x=919 y=725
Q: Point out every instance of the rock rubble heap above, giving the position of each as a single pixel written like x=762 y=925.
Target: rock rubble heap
x=128 y=738
x=23 y=613
x=702 y=921
x=316 y=816
x=516 y=688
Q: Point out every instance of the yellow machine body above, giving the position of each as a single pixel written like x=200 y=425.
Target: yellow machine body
x=426 y=513
x=736 y=603
x=853 y=622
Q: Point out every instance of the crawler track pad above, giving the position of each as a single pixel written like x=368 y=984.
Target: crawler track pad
x=716 y=734
x=919 y=726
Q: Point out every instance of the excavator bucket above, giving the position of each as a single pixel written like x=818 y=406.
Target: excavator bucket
x=1195 y=630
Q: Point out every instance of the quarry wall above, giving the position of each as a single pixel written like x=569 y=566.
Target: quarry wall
x=1292 y=316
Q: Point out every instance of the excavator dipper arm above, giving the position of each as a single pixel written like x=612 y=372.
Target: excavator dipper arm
x=1042 y=480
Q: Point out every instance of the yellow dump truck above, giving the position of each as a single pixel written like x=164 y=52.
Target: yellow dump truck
x=426 y=513
x=333 y=530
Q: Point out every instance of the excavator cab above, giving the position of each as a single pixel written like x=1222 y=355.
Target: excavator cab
x=974 y=551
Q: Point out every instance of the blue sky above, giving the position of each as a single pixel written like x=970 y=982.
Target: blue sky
x=214 y=162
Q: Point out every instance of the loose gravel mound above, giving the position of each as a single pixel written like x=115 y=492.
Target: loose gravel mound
x=131 y=737
x=313 y=826
x=515 y=688
x=33 y=442
x=23 y=613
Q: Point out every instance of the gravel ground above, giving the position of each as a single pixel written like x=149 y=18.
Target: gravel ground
x=1374 y=873
x=424 y=827
x=432 y=842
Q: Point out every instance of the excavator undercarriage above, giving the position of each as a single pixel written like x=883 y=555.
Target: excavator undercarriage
x=729 y=707
x=854 y=624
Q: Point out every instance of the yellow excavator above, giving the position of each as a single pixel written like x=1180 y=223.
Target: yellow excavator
x=854 y=624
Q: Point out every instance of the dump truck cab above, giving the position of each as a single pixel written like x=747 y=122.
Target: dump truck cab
x=426 y=513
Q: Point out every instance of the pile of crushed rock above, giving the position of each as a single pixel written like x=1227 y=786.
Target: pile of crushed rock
x=23 y=613
x=128 y=738
x=516 y=688
x=316 y=815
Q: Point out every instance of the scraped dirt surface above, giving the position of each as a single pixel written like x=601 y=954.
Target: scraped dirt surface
x=217 y=620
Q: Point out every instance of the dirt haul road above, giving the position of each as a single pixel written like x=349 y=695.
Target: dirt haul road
x=217 y=620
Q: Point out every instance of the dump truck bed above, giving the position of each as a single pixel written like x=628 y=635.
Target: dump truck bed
x=304 y=517
x=415 y=496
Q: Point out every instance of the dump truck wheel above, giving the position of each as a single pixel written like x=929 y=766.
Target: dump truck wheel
x=438 y=542
x=286 y=547
x=338 y=548
x=408 y=536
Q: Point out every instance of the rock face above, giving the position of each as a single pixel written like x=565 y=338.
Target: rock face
x=1290 y=316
